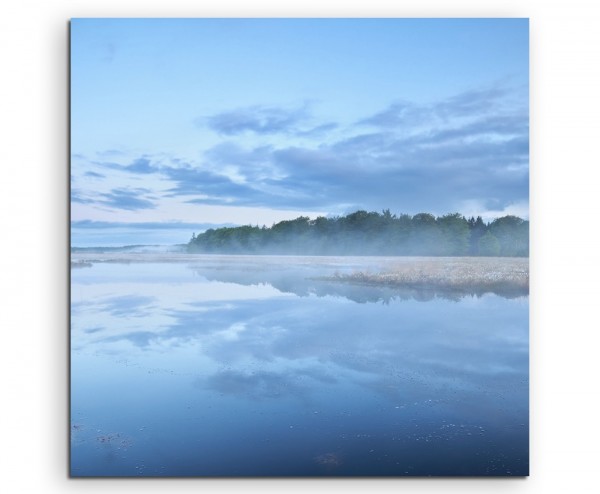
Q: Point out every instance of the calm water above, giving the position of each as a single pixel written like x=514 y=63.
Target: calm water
x=250 y=367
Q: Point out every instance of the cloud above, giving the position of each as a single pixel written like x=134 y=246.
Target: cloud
x=125 y=198
x=318 y=131
x=471 y=102
x=258 y=119
x=429 y=170
x=266 y=120
x=198 y=181
x=148 y=225
x=409 y=157
x=493 y=126
x=141 y=165
x=216 y=181
x=94 y=175
x=468 y=104
x=253 y=164
x=398 y=114
x=78 y=196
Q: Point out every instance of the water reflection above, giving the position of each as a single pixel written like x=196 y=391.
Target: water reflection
x=294 y=380
x=305 y=282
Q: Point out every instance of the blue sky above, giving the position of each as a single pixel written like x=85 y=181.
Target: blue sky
x=178 y=125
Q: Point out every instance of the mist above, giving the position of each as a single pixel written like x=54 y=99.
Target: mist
x=372 y=233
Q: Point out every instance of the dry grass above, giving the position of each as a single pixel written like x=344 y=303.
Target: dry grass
x=451 y=273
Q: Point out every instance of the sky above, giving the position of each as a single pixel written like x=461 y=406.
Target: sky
x=179 y=125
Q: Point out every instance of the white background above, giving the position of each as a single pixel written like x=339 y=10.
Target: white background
x=565 y=134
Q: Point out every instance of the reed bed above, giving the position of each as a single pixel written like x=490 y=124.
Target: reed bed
x=452 y=273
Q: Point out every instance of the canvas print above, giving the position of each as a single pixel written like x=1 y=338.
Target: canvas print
x=299 y=247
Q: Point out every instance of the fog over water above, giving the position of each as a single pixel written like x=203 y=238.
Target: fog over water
x=253 y=366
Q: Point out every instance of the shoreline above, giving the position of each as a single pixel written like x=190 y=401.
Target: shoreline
x=440 y=274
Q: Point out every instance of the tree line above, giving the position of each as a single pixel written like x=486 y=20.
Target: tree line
x=372 y=233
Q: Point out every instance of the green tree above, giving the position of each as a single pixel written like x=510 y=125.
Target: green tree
x=513 y=234
x=426 y=238
x=372 y=233
x=455 y=230
x=489 y=245
x=477 y=229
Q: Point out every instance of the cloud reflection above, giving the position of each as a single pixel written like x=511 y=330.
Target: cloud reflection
x=266 y=347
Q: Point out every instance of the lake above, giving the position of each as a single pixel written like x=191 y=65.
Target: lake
x=256 y=366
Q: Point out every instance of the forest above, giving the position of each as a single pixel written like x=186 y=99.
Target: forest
x=372 y=233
